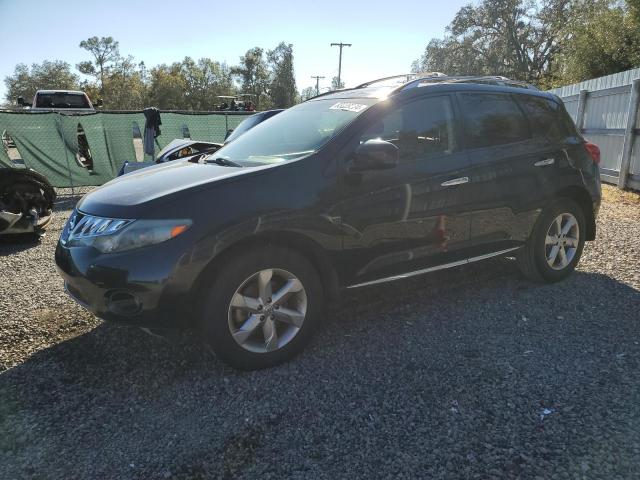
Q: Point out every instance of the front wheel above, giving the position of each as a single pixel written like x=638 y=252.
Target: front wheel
x=555 y=245
x=262 y=307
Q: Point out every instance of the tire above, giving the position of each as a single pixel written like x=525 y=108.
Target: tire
x=536 y=259
x=238 y=323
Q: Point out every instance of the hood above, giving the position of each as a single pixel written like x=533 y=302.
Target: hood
x=131 y=195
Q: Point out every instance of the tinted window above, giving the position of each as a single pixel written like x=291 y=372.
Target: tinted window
x=420 y=129
x=493 y=119
x=61 y=100
x=548 y=118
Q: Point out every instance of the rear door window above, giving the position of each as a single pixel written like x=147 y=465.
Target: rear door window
x=421 y=129
x=548 y=118
x=493 y=119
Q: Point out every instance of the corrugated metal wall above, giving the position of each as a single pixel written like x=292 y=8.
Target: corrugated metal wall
x=607 y=105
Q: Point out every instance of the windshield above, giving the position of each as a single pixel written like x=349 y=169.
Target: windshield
x=294 y=133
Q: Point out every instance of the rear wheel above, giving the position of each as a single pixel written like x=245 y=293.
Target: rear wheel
x=262 y=307
x=554 y=248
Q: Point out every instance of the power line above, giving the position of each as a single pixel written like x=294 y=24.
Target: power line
x=317 y=77
x=340 y=44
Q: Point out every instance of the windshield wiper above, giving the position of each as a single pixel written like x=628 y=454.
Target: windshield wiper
x=225 y=162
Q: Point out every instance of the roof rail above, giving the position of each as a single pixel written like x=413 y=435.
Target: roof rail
x=330 y=92
x=413 y=80
x=482 y=79
x=409 y=77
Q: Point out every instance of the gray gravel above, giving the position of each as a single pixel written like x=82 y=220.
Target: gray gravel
x=466 y=373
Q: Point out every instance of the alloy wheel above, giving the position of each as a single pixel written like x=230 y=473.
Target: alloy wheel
x=267 y=311
x=562 y=240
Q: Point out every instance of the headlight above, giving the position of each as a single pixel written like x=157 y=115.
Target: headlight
x=110 y=235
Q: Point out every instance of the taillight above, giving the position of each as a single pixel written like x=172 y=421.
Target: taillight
x=594 y=151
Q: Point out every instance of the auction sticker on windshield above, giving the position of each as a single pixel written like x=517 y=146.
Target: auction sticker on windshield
x=348 y=107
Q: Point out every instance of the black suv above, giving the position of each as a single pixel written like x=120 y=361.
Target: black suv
x=349 y=189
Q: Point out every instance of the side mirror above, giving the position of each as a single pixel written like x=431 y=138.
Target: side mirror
x=21 y=101
x=229 y=132
x=375 y=154
x=99 y=102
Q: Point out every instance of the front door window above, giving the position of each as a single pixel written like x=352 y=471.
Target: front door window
x=420 y=129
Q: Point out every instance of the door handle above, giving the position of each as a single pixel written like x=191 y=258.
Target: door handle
x=455 y=181
x=545 y=162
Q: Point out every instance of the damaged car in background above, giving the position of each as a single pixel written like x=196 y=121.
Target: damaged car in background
x=185 y=148
x=26 y=203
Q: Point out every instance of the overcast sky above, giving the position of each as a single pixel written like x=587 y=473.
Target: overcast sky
x=386 y=36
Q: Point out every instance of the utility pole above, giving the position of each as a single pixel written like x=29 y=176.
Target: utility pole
x=340 y=59
x=317 y=77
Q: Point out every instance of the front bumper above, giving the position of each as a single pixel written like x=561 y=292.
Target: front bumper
x=147 y=287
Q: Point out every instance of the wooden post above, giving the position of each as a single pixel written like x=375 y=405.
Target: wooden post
x=629 y=133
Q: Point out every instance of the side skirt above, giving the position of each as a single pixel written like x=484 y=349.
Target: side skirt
x=433 y=269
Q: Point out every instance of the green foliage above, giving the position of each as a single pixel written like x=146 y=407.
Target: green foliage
x=104 y=51
x=307 y=93
x=205 y=80
x=514 y=38
x=605 y=41
x=335 y=85
x=282 y=87
x=545 y=42
x=191 y=84
x=634 y=10
x=254 y=76
x=26 y=81
x=167 y=87
x=124 y=88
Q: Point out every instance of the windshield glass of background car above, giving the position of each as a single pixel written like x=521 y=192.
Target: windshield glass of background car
x=246 y=125
x=294 y=133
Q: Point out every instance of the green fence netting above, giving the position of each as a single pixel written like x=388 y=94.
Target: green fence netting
x=48 y=142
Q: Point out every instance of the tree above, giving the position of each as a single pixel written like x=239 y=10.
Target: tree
x=124 y=88
x=205 y=80
x=335 y=85
x=515 y=38
x=604 y=41
x=282 y=87
x=167 y=87
x=104 y=51
x=307 y=93
x=634 y=10
x=253 y=75
x=48 y=75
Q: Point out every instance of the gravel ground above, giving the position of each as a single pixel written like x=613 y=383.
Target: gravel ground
x=466 y=373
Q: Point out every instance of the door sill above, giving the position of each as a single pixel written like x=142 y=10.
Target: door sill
x=433 y=269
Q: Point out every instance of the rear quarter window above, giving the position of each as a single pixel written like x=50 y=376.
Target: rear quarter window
x=547 y=118
x=492 y=119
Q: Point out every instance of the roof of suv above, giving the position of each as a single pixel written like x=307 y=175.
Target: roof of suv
x=388 y=86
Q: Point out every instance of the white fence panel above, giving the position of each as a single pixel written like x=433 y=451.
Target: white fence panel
x=609 y=105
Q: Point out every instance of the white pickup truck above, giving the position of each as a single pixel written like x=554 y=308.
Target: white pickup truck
x=68 y=101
